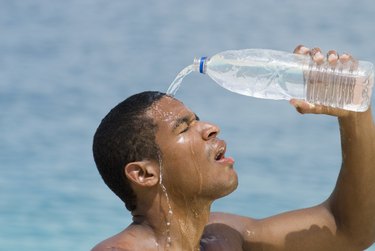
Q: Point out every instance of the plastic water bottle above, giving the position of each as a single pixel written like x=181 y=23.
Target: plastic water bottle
x=277 y=75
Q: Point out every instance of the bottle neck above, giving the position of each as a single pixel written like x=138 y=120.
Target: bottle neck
x=200 y=64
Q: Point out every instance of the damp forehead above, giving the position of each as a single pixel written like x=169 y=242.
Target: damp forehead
x=168 y=109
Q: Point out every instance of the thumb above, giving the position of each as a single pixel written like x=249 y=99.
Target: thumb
x=305 y=107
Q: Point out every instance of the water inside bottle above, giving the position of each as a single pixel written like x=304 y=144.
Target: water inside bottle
x=175 y=85
x=338 y=87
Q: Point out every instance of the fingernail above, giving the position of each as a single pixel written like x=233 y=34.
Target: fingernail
x=292 y=102
x=295 y=103
x=304 y=50
x=332 y=57
x=345 y=56
x=318 y=56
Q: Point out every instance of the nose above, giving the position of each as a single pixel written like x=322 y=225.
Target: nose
x=210 y=131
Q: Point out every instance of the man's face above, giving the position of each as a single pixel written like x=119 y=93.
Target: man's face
x=193 y=161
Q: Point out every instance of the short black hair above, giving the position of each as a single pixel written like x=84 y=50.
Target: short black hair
x=126 y=134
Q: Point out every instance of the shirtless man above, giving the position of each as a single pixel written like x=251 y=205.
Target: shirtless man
x=168 y=167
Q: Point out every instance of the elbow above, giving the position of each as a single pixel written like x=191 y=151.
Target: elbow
x=360 y=240
x=364 y=243
x=357 y=232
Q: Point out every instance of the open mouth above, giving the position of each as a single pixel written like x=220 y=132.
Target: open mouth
x=220 y=154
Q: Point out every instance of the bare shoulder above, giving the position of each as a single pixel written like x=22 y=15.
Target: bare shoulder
x=119 y=241
x=236 y=222
x=127 y=240
x=228 y=218
x=305 y=229
x=226 y=232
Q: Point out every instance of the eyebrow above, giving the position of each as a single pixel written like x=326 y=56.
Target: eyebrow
x=185 y=119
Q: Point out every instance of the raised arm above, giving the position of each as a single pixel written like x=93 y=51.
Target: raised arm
x=346 y=220
x=352 y=203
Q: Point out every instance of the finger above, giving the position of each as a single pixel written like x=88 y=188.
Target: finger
x=317 y=55
x=346 y=57
x=302 y=106
x=332 y=57
x=301 y=49
x=305 y=107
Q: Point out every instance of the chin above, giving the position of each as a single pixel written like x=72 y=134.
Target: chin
x=229 y=188
x=233 y=187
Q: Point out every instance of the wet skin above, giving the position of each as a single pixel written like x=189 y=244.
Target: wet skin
x=193 y=157
x=194 y=173
x=194 y=178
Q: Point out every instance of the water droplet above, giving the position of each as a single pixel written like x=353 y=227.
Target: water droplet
x=250 y=233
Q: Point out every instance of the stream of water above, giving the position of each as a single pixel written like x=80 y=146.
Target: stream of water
x=175 y=85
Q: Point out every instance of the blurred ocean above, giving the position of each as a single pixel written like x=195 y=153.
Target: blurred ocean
x=64 y=64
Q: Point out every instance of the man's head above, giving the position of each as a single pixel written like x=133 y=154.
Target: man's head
x=152 y=136
x=125 y=135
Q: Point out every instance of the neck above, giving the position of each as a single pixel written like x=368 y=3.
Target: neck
x=175 y=226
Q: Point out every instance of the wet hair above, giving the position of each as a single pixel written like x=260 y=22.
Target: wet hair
x=126 y=134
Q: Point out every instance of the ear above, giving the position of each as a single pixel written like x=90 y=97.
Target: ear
x=142 y=173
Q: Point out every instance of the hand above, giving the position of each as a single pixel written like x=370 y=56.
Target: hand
x=332 y=58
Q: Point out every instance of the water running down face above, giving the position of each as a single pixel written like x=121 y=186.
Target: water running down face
x=194 y=161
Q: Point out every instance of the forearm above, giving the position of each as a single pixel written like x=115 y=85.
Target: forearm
x=353 y=199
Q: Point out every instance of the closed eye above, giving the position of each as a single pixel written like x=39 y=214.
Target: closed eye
x=183 y=124
x=186 y=128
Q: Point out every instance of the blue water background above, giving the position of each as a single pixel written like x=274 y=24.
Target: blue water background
x=64 y=64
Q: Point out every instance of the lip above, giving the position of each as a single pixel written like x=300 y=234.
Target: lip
x=220 y=149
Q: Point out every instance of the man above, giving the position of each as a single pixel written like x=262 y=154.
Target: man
x=168 y=167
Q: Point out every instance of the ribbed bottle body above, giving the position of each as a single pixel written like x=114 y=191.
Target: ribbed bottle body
x=277 y=75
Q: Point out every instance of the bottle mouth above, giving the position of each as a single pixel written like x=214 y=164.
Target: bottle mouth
x=200 y=64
